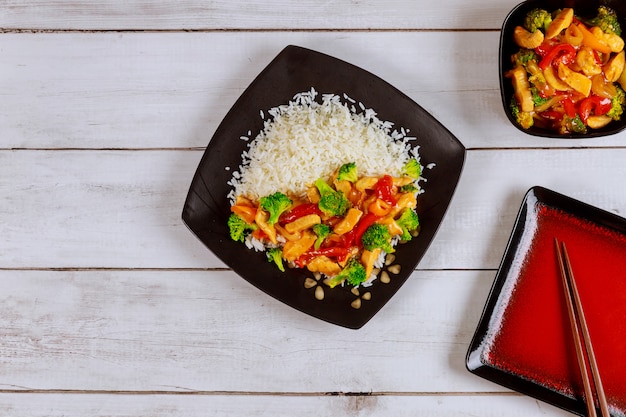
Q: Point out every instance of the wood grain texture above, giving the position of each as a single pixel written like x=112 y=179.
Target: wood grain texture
x=94 y=405
x=186 y=331
x=111 y=307
x=272 y=14
x=122 y=209
x=171 y=90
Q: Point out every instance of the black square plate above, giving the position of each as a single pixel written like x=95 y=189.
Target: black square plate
x=524 y=339
x=296 y=70
x=508 y=47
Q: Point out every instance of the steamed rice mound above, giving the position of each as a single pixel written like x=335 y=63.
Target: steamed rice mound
x=305 y=140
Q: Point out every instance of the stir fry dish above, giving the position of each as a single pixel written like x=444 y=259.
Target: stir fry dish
x=568 y=75
x=342 y=229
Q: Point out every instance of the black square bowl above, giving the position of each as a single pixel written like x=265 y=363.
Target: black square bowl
x=508 y=47
x=296 y=70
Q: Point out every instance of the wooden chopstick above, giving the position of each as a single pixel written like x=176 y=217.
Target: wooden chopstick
x=577 y=319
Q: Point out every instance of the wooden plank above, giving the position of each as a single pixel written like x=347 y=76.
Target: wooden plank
x=121 y=209
x=171 y=90
x=272 y=14
x=94 y=405
x=186 y=331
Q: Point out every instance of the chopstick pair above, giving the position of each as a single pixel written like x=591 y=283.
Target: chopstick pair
x=579 y=326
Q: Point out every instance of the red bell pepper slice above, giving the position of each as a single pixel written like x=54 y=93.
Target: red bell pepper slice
x=547 y=45
x=561 y=53
x=569 y=106
x=341 y=253
x=596 y=104
x=300 y=211
x=383 y=189
x=551 y=115
x=365 y=222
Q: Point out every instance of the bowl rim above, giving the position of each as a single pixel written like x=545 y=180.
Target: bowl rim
x=505 y=88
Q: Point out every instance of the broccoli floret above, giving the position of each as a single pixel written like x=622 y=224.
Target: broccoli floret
x=275 y=204
x=412 y=168
x=239 y=228
x=617 y=104
x=409 y=222
x=275 y=255
x=408 y=188
x=522 y=118
x=322 y=231
x=522 y=57
x=573 y=124
x=332 y=202
x=537 y=19
x=606 y=20
x=353 y=273
x=377 y=236
x=347 y=172
x=537 y=99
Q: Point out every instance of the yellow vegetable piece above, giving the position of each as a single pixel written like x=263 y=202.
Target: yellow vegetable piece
x=592 y=41
x=613 y=41
x=261 y=221
x=347 y=223
x=579 y=82
x=379 y=207
x=401 y=181
x=596 y=122
x=343 y=186
x=601 y=87
x=586 y=60
x=293 y=249
x=526 y=39
x=521 y=86
x=404 y=200
x=366 y=183
x=392 y=225
x=368 y=258
x=573 y=35
x=289 y=236
x=615 y=67
x=554 y=81
x=303 y=223
x=560 y=22
x=247 y=213
x=324 y=265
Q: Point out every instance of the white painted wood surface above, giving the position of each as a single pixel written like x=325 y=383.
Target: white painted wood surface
x=110 y=307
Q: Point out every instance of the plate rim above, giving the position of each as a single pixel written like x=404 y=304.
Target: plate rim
x=473 y=363
x=284 y=54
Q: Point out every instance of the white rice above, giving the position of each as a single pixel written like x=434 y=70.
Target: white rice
x=304 y=140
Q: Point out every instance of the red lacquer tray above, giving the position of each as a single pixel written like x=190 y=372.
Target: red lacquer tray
x=523 y=340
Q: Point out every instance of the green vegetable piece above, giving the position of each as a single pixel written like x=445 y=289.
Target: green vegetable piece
x=275 y=204
x=332 y=202
x=522 y=118
x=606 y=19
x=408 y=188
x=377 y=236
x=537 y=19
x=322 y=231
x=523 y=57
x=275 y=255
x=409 y=222
x=239 y=228
x=412 y=168
x=574 y=124
x=347 y=172
x=617 y=104
x=537 y=99
x=353 y=273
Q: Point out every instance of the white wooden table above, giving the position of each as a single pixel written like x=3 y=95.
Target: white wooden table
x=109 y=306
